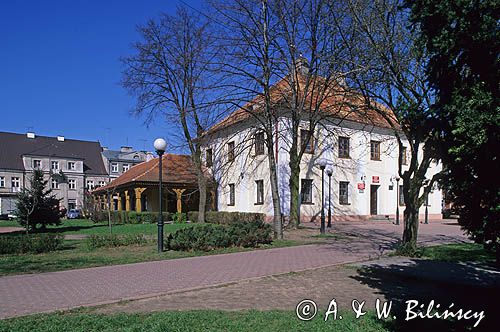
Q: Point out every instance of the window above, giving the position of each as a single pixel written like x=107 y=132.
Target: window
x=2 y=181
x=231 y=194
x=114 y=167
x=343 y=192
x=401 y=196
x=90 y=184
x=343 y=147
x=307 y=146
x=126 y=167
x=102 y=183
x=54 y=165
x=404 y=157
x=260 y=191
x=259 y=143
x=375 y=150
x=209 y=158
x=306 y=191
x=72 y=184
x=15 y=182
x=37 y=164
x=54 y=184
x=71 y=165
x=230 y=151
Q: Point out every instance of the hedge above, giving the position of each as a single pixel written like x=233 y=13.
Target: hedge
x=113 y=240
x=35 y=244
x=212 y=236
x=225 y=218
x=130 y=217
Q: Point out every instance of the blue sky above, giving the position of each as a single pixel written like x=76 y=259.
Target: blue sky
x=60 y=68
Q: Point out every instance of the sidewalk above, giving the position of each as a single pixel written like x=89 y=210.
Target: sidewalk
x=27 y=294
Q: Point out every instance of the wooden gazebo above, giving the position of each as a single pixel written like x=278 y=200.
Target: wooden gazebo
x=137 y=189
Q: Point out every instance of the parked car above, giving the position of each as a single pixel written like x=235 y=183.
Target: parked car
x=74 y=214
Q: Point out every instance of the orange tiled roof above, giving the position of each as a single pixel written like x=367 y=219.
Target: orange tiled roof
x=335 y=100
x=176 y=169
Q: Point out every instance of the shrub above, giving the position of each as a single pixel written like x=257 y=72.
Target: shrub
x=210 y=236
x=179 y=217
x=193 y=216
x=35 y=244
x=114 y=240
x=225 y=218
x=149 y=217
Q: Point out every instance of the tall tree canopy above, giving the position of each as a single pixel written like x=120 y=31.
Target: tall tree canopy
x=463 y=42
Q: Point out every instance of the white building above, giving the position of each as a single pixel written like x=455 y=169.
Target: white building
x=361 y=151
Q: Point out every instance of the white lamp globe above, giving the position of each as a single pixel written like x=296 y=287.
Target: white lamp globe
x=160 y=144
x=322 y=162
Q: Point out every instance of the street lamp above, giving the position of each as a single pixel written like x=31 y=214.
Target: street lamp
x=397 y=198
x=160 y=145
x=426 y=208
x=329 y=172
x=322 y=165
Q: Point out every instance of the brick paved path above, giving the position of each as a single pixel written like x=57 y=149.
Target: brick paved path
x=26 y=294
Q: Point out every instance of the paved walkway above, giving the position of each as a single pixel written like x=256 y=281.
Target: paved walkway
x=27 y=294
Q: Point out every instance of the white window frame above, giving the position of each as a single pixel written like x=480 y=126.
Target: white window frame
x=54 y=184
x=114 y=167
x=71 y=165
x=15 y=182
x=2 y=181
x=102 y=183
x=90 y=184
x=126 y=167
x=54 y=163
x=72 y=184
x=35 y=161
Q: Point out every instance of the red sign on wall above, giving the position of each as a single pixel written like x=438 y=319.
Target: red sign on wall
x=375 y=179
x=361 y=185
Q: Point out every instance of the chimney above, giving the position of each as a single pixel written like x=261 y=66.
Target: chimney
x=30 y=134
x=125 y=149
x=60 y=138
x=302 y=65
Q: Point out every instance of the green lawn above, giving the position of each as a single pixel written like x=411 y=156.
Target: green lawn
x=195 y=321
x=84 y=226
x=461 y=252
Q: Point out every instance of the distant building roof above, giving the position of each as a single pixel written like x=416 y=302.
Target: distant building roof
x=125 y=155
x=14 y=146
x=177 y=169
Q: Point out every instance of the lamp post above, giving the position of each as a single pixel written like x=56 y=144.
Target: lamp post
x=322 y=166
x=397 y=199
x=329 y=172
x=426 y=208
x=160 y=145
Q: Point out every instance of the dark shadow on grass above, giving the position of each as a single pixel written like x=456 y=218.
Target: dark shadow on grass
x=469 y=286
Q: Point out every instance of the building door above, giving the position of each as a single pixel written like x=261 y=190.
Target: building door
x=373 y=199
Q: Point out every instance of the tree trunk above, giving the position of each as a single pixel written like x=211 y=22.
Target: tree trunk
x=410 y=232
x=202 y=186
x=294 y=194
x=273 y=177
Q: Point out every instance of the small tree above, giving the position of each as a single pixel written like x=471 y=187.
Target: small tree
x=36 y=206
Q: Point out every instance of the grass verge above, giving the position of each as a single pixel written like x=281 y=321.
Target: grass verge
x=174 y=321
x=462 y=252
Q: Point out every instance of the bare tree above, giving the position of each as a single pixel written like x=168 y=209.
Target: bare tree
x=312 y=65
x=247 y=30
x=172 y=75
x=388 y=69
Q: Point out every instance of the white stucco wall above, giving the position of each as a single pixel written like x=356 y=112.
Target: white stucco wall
x=359 y=168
